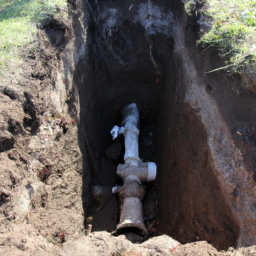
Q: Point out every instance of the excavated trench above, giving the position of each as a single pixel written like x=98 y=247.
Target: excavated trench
x=131 y=54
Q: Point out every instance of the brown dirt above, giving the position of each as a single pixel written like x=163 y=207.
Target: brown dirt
x=193 y=196
x=41 y=163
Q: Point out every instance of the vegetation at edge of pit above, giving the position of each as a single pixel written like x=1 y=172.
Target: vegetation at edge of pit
x=18 y=19
x=233 y=30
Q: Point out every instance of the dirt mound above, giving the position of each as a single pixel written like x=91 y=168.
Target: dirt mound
x=41 y=163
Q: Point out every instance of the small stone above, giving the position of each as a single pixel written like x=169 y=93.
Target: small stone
x=231 y=249
x=114 y=151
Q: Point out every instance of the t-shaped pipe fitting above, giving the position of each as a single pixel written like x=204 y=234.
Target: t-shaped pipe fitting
x=144 y=171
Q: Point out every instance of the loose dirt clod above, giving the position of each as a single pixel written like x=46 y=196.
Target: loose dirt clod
x=12 y=93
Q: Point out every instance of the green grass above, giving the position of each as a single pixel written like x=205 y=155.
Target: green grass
x=18 y=19
x=233 y=30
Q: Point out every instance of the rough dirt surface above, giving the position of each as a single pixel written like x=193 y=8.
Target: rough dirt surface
x=41 y=163
x=210 y=114
x=55 y=143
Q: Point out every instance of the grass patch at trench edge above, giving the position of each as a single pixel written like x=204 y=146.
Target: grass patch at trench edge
x=18 y=19
x=233 y=30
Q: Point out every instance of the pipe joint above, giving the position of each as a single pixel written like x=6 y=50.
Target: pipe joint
x=131 y=129
x=144 y=171
x=131 y=188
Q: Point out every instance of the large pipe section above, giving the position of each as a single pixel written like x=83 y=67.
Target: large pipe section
x=133 y=172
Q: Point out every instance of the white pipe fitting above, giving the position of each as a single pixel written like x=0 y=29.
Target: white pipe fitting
x=144 y=171
x=116 y=131
x=133 y=172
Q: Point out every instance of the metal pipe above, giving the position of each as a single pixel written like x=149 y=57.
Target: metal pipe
x=133 y=172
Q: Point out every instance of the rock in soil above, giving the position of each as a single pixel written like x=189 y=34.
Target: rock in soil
x=114 y=151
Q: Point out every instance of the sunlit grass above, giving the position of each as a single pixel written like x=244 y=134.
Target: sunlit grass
x=233 y=29
x=18 y=19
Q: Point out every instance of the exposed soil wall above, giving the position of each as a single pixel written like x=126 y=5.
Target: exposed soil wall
x=210 y=110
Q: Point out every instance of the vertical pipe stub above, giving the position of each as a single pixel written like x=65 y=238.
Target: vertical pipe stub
x=131 y=132
x=133 y=172
x=131 y=115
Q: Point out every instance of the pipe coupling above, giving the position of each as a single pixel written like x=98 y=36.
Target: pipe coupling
x=144 y=171
x=131 y=188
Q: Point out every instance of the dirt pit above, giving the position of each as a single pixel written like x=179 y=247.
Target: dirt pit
x=132 y=57
x=56 y=148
